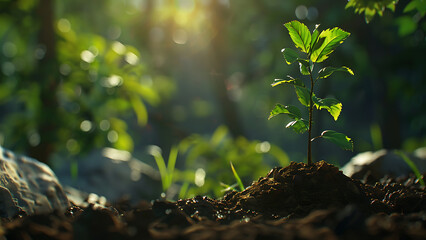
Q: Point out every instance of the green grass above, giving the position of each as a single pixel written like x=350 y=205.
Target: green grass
x=412 y=166
x=240 y=183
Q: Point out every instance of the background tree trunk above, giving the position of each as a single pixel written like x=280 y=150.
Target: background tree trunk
x=46 y=75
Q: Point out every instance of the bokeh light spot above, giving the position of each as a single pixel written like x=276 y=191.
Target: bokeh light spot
x=86 y=126
x=87 y=56
x=8 y=68
x=180 y=36
x=112 y=136
x=131 y=58
x=200 y=176
x=119 y=48
x=301 y=12
x=9 y=49
x=39 y=52
x=73 y=146
x=33 y=138
x=104 y=125
x=114 y=32
x=263 y=147
x=64 y=25
x=65 y=69
x=112 y=81
x=94 y=50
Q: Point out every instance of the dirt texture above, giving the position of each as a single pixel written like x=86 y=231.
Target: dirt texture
x=296 y=202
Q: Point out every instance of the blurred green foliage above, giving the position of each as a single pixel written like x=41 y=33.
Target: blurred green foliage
x=202 y=163
x=371 y=7
x=198 y=65
x=95 y=83
x=407 y=24
x=207 y=161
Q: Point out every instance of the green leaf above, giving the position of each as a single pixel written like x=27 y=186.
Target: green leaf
x=140 y=109
x=303 y=95
x=291 y=80
x=314 y=38
x=332 y=38
x=419 y=5
x=410 y=6
x=391 y=7
x=147 y=93
x=171 y=164
x=299 y=126
x=369 y=14
x=290 y=55
x=304 y=66
x=333 y=106
x=300 y=35
x=406 y=25
x=292 y=111
x=339 y=139
x=327 y=71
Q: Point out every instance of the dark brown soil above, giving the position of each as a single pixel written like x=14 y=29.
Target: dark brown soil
x=296 y=202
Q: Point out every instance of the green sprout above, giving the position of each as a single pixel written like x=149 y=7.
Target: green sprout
x=315 y=48
x=237 y=177
x=166 y=172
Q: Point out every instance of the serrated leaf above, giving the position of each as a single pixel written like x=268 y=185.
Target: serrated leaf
x=300 y=35
x=290 y=80
x=303 y=95
x=292 y=111
x=327 y=71
x=339 y=139
x=332 y=38
x=290 y=55
x=333 y=106
x=299 y=126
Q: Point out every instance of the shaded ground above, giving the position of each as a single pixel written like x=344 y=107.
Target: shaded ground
x=295 y=202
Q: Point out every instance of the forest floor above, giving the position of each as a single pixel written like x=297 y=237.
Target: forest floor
x=296 y=202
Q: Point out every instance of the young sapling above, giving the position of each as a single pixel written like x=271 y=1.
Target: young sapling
x=314 y=48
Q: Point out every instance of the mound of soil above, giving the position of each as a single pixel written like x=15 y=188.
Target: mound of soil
x=296 y=202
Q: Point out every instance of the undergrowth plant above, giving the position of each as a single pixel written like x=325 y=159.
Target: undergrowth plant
x=313 y=48
x=412 y=165
x=166 y=171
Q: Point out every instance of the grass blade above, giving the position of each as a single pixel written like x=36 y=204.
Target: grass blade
x=412 y=166
x=171 y=164
x=240 y=184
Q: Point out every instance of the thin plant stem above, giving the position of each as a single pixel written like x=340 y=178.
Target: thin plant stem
x=311 y=109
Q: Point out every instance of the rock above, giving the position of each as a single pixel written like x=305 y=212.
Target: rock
x=113 y=174
x=28 y=185
x=383 y=162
